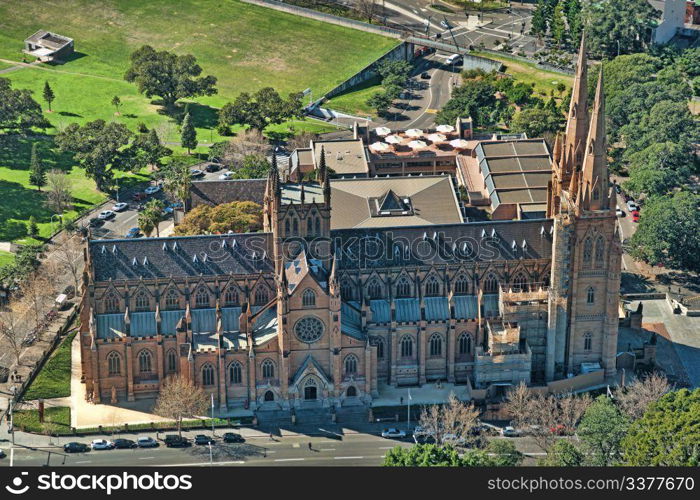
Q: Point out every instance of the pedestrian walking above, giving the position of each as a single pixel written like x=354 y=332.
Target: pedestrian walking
x=310 y=446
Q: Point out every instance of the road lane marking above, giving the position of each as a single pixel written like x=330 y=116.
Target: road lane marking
x=200 y=464
x=146 y=458
x=348 y=458
x=289 y=460
x=327 y=449
x=84 y=462
x=386 y=447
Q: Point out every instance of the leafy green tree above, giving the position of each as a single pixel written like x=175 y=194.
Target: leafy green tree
x=97 y=146
x=573 y=18
x=601 y=431
x=563 y=453
x=689 y=62
x=381 y=101
x=475 y=98
x=503 y=453
x=177 y=181
x=48 y=94
x=237 y=216
x=668 y=434
x=252 y=167
x=537 y=121
x=168 y=76
x=32 y=227
x=520 y=93
x=116 y=102
x=18 y=110
x=696 y=86
x=659 y=168
x=151 y=216
x=669 y=232
x=539 y=20
x=618 y=26
x=188 y=134
x=422 y=455
x=265 y=107
x=559 y=24
x=37 y=172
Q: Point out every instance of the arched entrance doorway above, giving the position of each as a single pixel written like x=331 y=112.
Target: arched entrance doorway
x=310 y=390
x=351 y=392
x=269 y=396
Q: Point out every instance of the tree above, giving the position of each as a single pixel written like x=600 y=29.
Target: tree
x=301 y=140
x=177 y=181
x=179 y=398
x=37 y=173
x=151 y=216
x=99 y=148
x=70 y=259
x=559 y=24
x=669 y=232
x=689 y=62
x=636 y=398
x=169 y=76
x=422 y=455
x=667 y=121
x=475 y=98
x=18 y=110
x=573 y=18
x=563 y=453
x=667 y=434
x=32 y=227
x=265 y=107
x=539 y=20
x=237 y=216
x=37 y=291
x=116 y=102
x=367 y=9
x=535 y=122
x=454 y=419
x=249 y=142
x=48 y=94
x=14 y=327
x=504 y=454
x=658 y=168
x=58 y=192
x=618 y=26
x=188 y=134
x=518 y=403
x=601 y=431
x=381 y=102
x=147 y=150
x=253 y=167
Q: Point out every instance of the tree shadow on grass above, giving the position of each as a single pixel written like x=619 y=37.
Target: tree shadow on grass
x=68 y=113
x=202 y=116
x=16 y=152
x=18 y=202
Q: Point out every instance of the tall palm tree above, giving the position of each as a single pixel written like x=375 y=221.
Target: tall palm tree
x=177 y=181
x=151 y=216
x=145 y=223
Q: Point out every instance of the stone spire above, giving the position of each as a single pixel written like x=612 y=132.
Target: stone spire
x=594 y=175
x=577 y=123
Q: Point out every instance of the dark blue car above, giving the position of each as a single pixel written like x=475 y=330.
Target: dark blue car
x=133 y=233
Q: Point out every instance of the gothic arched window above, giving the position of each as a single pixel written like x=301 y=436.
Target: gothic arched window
x=261 y=296
x=111 y=303
x=145 y=361
x=432 y=287
x=141 y=302
x=491 y=284
x=309 y=226
x=231 y=296
x=588 y=341
x=308 y=299
x=406 y=347
x=208 y=376
x=436 y=344
x=235 y=373
x=171 y=299
x=295 y=224
x=403 y=287
x=286 y=226
x=374 y=289
x=590 y=295
x=114 y=364
x=201 y=298
x=318 y=226
x=587 y=250
x=520 y=282
x=461 y=285
x=268 y=369
x=347 y=291
x=599 y=250
x=380 y=348
x=465 y=343
x=350 y=364
x=171 y=361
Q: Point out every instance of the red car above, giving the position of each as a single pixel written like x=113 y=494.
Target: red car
x=635 y=216
x=139 y=196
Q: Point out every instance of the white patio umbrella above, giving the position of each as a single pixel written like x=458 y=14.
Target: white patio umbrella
x=414 y=132
x=379 y=147
x=417 y=145
x=437 y=138
x=459 y=144
x=382 y=131
x=445 y=129
x=392 y=139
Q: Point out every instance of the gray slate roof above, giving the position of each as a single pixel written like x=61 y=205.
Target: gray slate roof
x=218 y=192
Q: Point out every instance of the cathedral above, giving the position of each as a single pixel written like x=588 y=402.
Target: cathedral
x=360 y=283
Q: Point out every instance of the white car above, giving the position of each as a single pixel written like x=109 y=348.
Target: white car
x=120 y=206
x=146 y=442
x=106 y=214
x=509 y=432
x=632 y=206
x=226 y=176
x=101 y=444
x=2 y=453
x=393 y=433
x=619 y=212
x=152 y=189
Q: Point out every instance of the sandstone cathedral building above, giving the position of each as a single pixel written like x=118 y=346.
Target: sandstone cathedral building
x=356 y=284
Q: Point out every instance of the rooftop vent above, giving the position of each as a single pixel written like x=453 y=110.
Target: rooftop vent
x=175 y=246
x=194 y=258
x=145 y=261
x=134 y=262
x=165 y=246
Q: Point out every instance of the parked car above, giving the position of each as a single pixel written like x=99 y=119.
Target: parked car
x=425 y=75
x=106 y=214
x=95 y=222
x=139 y=197
x=195 y=172
x=202 y=439
x=445 y=24
x=175 y=441
x=635 y=216
x=101 y=444
x=213 y=167
x=134 y=232
x=152 y=189
x=393 y=433
x=119 y=207
x=619 y=212
x=172 y=207
x=509 y=432
x=632 y=206
x=124 y=444
x=226 y=176
x=74 y=447
x=618 y=189
x=2 y=453
x=233 y=437
x=147 y=442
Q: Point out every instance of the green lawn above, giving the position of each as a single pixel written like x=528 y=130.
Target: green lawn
x=354 y=100
x=6 y=258
x=56 y=418
x=53 y=381
x=545 y=81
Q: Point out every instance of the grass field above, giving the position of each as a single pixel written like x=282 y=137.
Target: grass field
x=545 y=81
x=56 y=419
x=246 y=47
x=354 y=101
x=53 y=381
